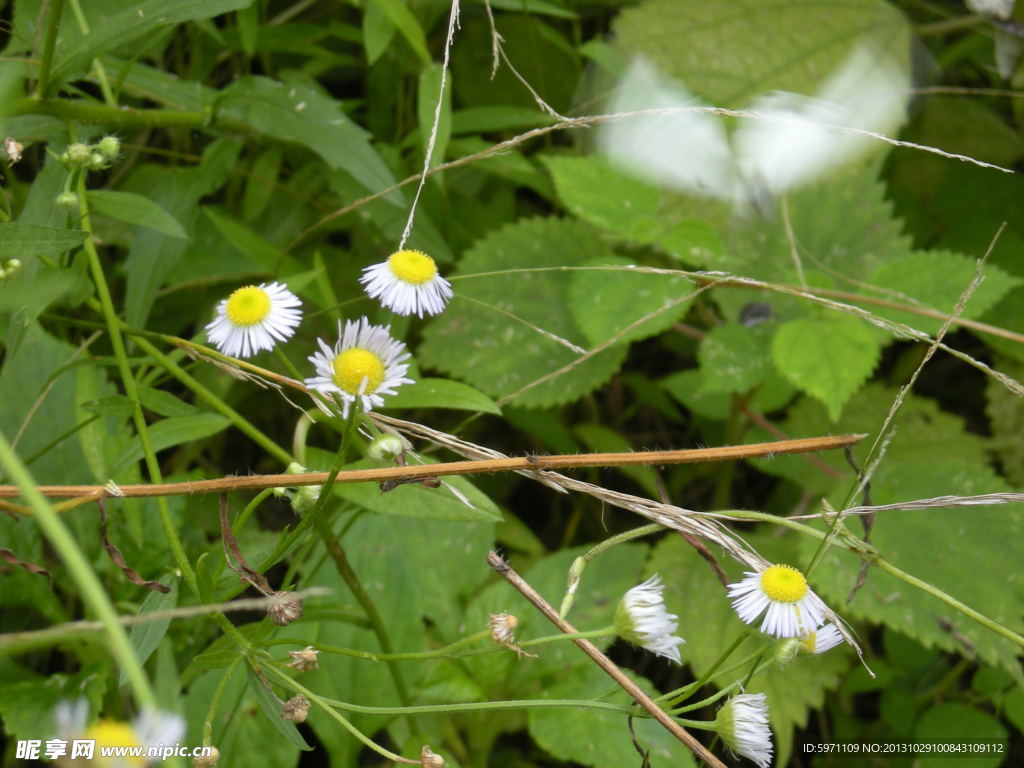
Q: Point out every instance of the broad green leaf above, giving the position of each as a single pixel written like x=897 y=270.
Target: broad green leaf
x=260 y=251
x=829 y=358
x=497 y=118
x=728 y=57
x=145 y=638
x=378 y=30
x=442 y=393
x=970 y=556
x=605 y=303
x=734 y=358
x=601 y=739
x=690 y=388
x=111 y=405
x=22 y=241
x=496 y=332
x=935 y=280
x=139 y=21
x=295 y=112
x=1005 y=412
x=708 y=624
x=260 y=185
x=404 y=20
x=957 y=722
x=168 y=433
x=163 y=87
x=163 y=403
x=135 y=209
x=271 y=709
x=32 y=294
x=415 y=500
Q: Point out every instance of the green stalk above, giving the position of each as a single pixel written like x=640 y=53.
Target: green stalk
x=486 y=706
x=81 y=573
x=101 y=73
x=100 y=114
x=52 y=27
x=128 y=380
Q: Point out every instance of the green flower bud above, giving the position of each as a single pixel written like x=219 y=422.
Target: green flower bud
x=68 y=201
x=78 y=154
x=386 y=447
x=109 y=147
x=97 y=162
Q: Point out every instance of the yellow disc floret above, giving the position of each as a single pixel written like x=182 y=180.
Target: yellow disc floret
x=354 y=365
x=111 y=733
x=784 y=584
x=413 y=267
x=248 y=306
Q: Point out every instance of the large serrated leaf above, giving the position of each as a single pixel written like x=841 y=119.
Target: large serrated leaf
x=935 y=280
x=728 y=54
x=605 y=303
x=135 y=209
x=22 y=241
x=828 y=358
x=734 y=358
x=971 y=553
x=496 y=333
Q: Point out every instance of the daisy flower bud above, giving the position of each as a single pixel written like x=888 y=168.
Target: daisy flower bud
x=822 y=639
x=253 y=318
x=304 y=660
x=284 y=608
x=365 y=364
x=295 y=709
x=207 y=761
x=67 y=201
x=97 y=162
x=429 y=758
x=743 y=725
x=109 y=147
x=386 y=447
x=641 y=619
x=780 y=592
x=78 y=154
x=407 y=283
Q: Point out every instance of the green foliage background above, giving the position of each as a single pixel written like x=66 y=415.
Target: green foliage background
x=266 y=140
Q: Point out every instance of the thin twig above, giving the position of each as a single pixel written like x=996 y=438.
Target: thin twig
x=507 y=464
x=606 y=664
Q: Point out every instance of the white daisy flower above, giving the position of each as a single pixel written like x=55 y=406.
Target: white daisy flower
x=743 y=725
x=365 y=364
x=641 y=619
x=823 y=639
x=151 y=729
x=408 y=282
x=253 y=318
x=792 y=608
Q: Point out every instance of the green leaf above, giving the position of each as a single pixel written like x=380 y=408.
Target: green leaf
x=935 y=280
x=34 y=293
x=415 y=500
x=271 y=708
x=378 y=30
x=729 y=57
x=22 y=241
x=134 y=23
x=442 y=393
x=145 y=638
x=734 y=358
x=829 y=358
x=293 y=111
x=404 y=20
x=259 y=187
x=606 y=302
x=163 y=403
x=601 y=739
x=135 y=209
x=690 y=388
x=111 y=405
x=970 y=559
x=260 y=251
x=171 y=432
x=494 y=334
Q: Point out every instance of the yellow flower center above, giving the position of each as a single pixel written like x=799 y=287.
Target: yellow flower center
x=784 y=584
x=354 y=365
x=412 y=267
x=111 y=733
x=248 y=306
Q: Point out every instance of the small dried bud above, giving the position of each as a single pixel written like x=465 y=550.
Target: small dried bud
x=386 y=447
x=78 y=154
x=207 y=761
x=68 y=201
x=285 y=607
x=503 y=628
x=429 y=758
x=295 y=709
x=13 y=150
x=109 y=147
x=304 y=660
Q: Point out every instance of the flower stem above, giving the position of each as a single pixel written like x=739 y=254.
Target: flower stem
x=81 y=572
x=52 y=27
